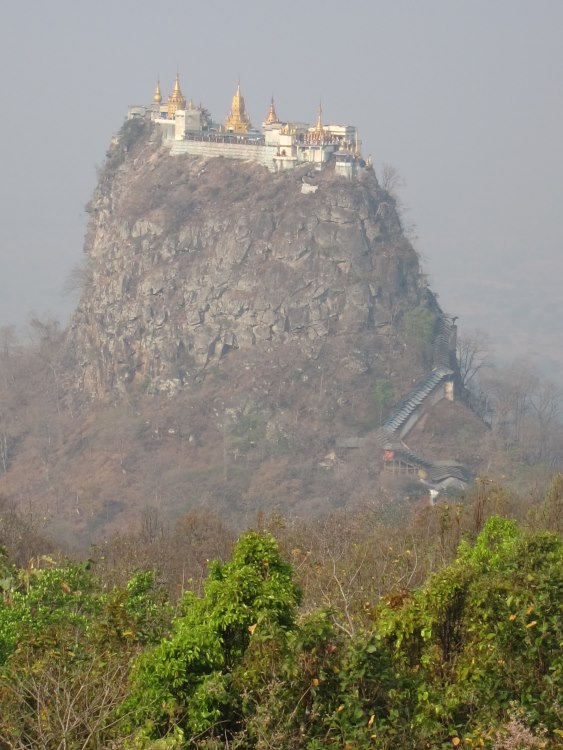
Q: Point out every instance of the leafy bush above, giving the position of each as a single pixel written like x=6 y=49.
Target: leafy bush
x=473 y=657
x=187 y=679
x=419 y=327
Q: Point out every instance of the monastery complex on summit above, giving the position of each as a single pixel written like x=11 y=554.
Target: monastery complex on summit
x=280 y=145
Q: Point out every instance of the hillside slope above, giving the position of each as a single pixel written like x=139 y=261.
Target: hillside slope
x=233 y=327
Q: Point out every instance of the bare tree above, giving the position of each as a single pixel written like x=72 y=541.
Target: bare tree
x=512 y=403
x=546 y=403
x=79 y=280
x=526 y=412
x=62 y=702
x=473 y=354
x=47 y=337
x=390 y=179
x=8 y=344
x=9 y=401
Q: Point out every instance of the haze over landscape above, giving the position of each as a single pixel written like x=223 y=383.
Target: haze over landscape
x=463 y=99
x=284 y=468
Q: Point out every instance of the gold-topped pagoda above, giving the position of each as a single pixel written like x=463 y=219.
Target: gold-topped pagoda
x=157 y=98
x=319 y=126
x=176 y=100
x=188 y=128
x=272 y=116
x=238 y=121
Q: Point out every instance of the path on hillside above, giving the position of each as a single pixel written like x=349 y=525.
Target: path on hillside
x=406 y=413
x=432 y=388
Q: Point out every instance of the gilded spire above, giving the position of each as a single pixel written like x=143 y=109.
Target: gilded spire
x=238 y=101
x=176 y=100
x=271 y=117
x=319 y=126
x=157 y=98
x=237 y=120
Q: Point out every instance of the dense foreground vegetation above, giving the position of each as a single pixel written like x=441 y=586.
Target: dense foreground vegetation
x=446 y=634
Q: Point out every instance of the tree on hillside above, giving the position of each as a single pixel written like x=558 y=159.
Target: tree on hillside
x=383 y=394
x=470 y=657
x=185 y=683
x=481 y=637
x=526 y=413
x=390 y=179
x=473 y=355
x=66 y=647
x=419 y=327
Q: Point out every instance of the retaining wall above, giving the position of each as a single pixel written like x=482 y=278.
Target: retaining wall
x=261 y=154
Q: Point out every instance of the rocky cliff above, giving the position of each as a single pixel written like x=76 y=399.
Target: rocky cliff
x=191 y=261
x=240 y=340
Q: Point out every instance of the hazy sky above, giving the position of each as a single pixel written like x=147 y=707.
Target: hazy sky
x=463 y=97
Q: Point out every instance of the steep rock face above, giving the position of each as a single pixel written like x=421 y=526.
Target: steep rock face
x=191 y=259
x=285 y=313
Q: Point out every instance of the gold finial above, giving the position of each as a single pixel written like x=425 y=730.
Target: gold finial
x=157 y=98
x=271 y=117
x=319 y=126
x=238 y=100
x=237 y=120
x=176 y=100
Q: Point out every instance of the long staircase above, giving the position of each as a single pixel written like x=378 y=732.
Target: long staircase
x=406 y=413
x=444 y=343
x=398 y=422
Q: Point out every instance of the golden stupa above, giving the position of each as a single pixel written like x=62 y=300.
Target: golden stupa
x=157 y=98
x=176 y=100
x=272 y=116
x=319 y=126
x=238 y=121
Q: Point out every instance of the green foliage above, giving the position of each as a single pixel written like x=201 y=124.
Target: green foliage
x=473 y=657
x=305 y=690
x=138 y=613
x=7 y=580
x=187 y=679
x=483 y=634
x=52 y=605
x=552 y=508
x=494 y=547
x=445 y=663
x=419 y=326
x=384 y=395
x=65 y=648
x=43 y=600
x=248 y=431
